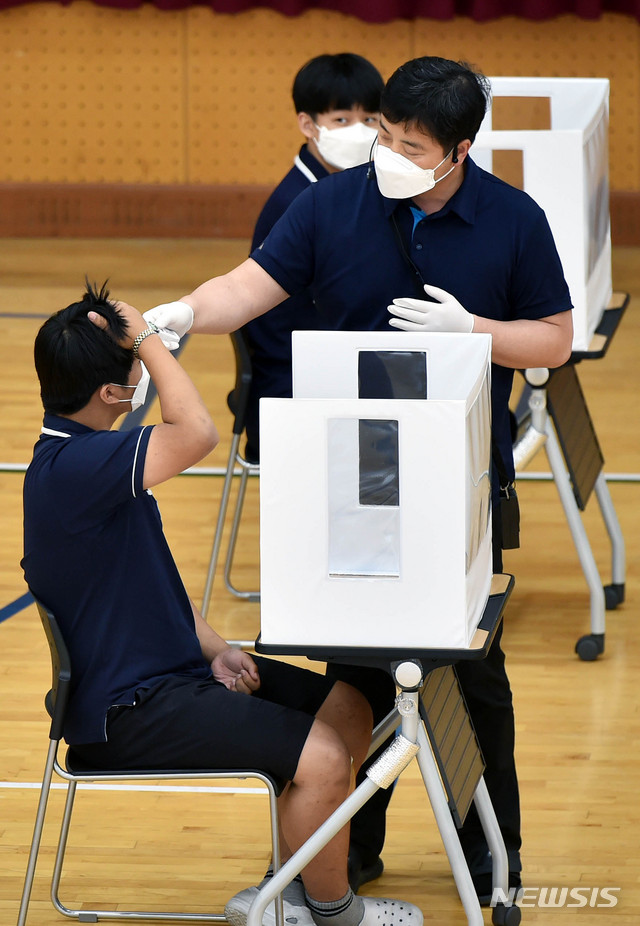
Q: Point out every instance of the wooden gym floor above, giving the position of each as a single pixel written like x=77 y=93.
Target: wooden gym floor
x=578 y=724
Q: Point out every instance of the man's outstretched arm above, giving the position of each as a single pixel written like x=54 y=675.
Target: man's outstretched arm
x=222 y=304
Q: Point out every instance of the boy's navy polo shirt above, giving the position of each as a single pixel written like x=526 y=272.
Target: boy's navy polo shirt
x=96 y=555
x=490 y=246
x=284 y=194
x=269 y=335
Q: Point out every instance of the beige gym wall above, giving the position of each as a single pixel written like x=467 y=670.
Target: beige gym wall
x=91 y=95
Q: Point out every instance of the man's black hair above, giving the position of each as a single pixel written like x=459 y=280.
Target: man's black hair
x=444 y=99
x=337 y=82
x=74 y=357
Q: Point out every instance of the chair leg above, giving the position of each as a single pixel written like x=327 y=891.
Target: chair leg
x=217 y=537
x=276 y=860
x=37 y=833
x=242 y=489
x=93 y=915
x=62 y=845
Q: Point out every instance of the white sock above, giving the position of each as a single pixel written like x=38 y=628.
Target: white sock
x=293 y=893
x=348 y=911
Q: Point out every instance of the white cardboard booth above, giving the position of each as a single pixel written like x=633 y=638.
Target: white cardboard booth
x=375 y=526
x=566 y=170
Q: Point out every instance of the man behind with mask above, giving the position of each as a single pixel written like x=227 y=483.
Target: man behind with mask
x=426 y=236
x=337 y=102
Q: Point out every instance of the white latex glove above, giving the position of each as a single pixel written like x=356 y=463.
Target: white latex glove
x=173 y=319
x=419 y=315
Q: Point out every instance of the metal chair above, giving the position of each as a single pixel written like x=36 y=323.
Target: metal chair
x=238 y=401
x=75 y=771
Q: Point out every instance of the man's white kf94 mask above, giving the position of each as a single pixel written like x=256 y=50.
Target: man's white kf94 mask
x=400 y=178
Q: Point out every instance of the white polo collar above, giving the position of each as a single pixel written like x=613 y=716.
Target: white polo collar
x=53 y=433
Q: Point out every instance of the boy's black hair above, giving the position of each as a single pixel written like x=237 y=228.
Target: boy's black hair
x=337 y=82
x=74 y=357
x=445 y=99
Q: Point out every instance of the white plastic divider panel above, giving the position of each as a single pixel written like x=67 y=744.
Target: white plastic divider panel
x=328 y=364
x=375 y=523
x=566 y=171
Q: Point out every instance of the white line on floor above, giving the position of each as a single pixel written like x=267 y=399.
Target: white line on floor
x=93 y=786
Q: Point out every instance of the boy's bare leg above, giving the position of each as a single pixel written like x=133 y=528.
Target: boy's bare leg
x=322 y=782
x=348 y=712
x=324 y=777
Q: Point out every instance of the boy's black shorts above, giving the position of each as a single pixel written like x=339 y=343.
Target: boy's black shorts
x=197 y=723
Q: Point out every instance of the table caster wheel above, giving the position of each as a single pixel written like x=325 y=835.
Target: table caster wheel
x=590 y=646
x=506 y=915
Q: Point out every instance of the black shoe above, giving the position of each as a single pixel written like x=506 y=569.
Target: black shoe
x=484 y=886
x=360 y=870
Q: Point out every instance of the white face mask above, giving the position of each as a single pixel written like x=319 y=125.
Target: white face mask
x=139 y=390
x=400 y=178
x=347 y=146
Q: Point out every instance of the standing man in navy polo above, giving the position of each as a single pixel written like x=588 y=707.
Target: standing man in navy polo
x=427 y=237
x=337 y=103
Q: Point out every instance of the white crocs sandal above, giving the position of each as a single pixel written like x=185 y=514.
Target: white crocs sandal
x=378 y=911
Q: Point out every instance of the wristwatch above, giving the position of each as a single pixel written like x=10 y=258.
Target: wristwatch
x=152 y=329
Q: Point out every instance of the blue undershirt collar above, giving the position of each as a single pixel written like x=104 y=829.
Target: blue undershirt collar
x=463 y=202
x=418 y=216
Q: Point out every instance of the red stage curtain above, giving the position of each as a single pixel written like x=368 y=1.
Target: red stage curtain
x=379 y=11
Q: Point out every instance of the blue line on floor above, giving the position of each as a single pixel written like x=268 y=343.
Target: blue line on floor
x=18 y=605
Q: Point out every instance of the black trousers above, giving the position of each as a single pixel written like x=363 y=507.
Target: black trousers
x=487 y=692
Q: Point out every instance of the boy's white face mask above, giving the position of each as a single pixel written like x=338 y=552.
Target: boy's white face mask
x=400 y=178
x=347 y=146
x=139 y=390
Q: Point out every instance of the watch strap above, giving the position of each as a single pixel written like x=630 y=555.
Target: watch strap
x=152 y=329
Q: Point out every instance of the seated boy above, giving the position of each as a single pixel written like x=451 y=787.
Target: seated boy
x=154 y=685
x=336 y=99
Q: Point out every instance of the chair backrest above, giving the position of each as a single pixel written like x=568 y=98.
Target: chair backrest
x=238 y=398
x=57 y=698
